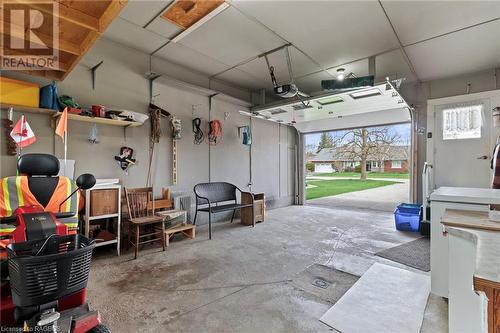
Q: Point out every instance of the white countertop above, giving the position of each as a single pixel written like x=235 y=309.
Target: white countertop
x=487 y=251
x=466 y=195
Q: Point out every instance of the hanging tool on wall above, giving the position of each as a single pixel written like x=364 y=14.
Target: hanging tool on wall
x=246 y=135
x=176 y=127
x=198 y=133
x=155 y=114
x=176 y=135
x=214 y=132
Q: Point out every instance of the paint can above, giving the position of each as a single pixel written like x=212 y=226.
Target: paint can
x=98 y=111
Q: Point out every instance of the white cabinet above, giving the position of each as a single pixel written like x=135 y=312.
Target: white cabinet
x=475 y=199
x=439 y=244
x=466 y=307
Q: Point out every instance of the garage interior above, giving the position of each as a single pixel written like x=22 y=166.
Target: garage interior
x=175 y=105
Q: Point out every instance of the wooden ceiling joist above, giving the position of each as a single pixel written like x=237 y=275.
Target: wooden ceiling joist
x=81 y=23
x=71 y=15
x=86 y=44
x=64 y=46
x=110 y=13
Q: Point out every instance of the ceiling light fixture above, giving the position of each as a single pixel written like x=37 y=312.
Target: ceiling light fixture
x=340 y=74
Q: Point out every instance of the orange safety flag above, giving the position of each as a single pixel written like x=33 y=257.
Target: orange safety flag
x=62 y=126
x=22 y=133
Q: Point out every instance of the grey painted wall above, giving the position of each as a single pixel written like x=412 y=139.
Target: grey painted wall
x=120 y=82
x=418 y=94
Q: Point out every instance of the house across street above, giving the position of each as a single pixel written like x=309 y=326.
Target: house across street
x=389 y=158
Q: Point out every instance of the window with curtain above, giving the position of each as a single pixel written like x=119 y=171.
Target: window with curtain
x=462 y=122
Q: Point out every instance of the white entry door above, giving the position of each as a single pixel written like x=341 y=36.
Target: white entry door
x=462 y=144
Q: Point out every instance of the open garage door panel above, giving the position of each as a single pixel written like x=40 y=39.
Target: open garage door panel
x=333 y=110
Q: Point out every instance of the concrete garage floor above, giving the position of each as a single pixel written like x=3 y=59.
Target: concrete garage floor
x=241 y=281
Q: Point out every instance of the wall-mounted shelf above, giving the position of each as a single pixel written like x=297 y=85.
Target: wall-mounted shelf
x=97 y=120
x=72 y=116
x=29 y=109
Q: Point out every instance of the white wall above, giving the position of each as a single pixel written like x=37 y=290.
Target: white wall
x=418 y=94
x=120 y=82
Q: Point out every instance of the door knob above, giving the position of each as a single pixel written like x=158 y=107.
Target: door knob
x=484 y=157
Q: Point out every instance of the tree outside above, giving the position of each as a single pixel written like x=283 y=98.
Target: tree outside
x=362 y=145
x=326 y=141
x=363 y=142
x=376 y=156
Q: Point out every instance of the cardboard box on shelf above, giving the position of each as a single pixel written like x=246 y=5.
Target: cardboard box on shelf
x=103 y=202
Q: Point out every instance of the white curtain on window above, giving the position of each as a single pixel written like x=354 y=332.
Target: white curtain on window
x=462 y=121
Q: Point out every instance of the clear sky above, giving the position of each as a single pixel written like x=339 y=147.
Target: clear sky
x=404 y=131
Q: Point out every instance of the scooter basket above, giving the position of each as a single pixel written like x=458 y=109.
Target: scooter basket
x=45 y=270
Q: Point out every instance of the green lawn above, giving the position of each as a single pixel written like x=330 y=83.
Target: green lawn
x=326 y=188
x=370 y=175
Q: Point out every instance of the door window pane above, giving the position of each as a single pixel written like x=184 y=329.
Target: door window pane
x=462 y=122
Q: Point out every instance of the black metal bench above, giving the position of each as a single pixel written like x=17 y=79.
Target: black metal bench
x=209 y=195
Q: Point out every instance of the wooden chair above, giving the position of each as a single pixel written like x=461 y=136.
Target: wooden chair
x=141 y=212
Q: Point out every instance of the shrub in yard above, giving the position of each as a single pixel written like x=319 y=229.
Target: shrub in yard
x=310 y=166
x=338 y=166
x=357 y=169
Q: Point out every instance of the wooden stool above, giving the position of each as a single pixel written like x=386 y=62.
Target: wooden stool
x=187 y=229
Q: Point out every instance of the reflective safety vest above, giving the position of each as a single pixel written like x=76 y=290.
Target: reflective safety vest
x=15 y=192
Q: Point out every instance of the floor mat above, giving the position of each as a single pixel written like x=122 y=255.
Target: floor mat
x=325 y=282
x=385 y=299
x=416 y=254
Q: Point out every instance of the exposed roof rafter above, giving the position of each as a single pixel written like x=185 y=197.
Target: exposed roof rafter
x=80 y=25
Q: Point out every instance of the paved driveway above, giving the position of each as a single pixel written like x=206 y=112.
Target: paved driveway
x=333 y=178
x=384 y=198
